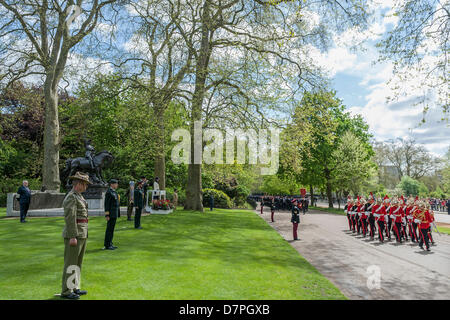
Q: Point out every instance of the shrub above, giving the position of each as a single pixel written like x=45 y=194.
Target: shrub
x=221 y=200
x=251 y=202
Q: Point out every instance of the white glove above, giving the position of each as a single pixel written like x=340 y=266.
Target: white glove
x=345 y=211
x=376 y=215
x=360 y=214
x=417 y=221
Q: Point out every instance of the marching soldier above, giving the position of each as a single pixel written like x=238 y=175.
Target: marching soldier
x=404 y=233
x=396 y=213
x=371 y=218
x=379 y=211
x=357 y=215
x=347 y=210
x=272 y=208
x=389 y=218
x=363 y=216
x=423 y=219
x=353 y=215
x=410 y=217
x=75 y=235
x=295 y=219
x=112 y=212
x=430 y=236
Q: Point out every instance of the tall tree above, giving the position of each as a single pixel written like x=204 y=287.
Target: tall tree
x=36 y=39
x=265 y=30
x=319 y=123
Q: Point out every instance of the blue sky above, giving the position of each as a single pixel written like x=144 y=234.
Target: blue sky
x=364 y=88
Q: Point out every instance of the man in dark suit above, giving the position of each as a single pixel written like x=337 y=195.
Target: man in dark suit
x=24 y=200
x=139 y=204
x=112 y=212
x=448 y=206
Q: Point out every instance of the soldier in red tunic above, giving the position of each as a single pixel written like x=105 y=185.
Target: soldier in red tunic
x=371 y=218
x=388 y=218
x=379 y=211
x=396 y=213
x=423 y=219
x=347 y=209
x=363 y=216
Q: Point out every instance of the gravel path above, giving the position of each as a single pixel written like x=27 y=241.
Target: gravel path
x=351 y=262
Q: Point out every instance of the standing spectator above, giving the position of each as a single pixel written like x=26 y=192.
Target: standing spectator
x=112 y=212
x=25 y=198
x=139 y=204
x=130 y=196
x=175 y=199
x=211 y=202
x=144 y=187
x=448 y=206
x=156 y=187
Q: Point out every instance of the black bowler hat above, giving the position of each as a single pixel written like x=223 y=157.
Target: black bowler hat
x=112 y=181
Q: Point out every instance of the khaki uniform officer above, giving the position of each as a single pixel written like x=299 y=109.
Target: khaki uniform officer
x=75 y=235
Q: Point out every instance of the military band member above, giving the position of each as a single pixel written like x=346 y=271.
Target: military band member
x=396 y=213
x=430 y=236
x=371 y=218
x=379 y=211
x=75 y=235
x=357 y=215
x=347 y=209
x=353 y=215
x=404 y=232
x=423 y=219
x=295 y=219
x=112 y=212
x=363 y=216
x=388 y=218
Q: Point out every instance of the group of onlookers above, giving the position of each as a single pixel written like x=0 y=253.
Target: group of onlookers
x=439 y=204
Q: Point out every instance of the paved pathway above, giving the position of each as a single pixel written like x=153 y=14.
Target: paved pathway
x=407 y=272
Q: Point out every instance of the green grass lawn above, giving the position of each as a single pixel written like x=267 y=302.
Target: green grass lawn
x=331 y=210
x=224 y=254
x=2 y=212
x=443 y=230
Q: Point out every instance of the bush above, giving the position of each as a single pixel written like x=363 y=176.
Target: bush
x=252 y=202
x=221 y=200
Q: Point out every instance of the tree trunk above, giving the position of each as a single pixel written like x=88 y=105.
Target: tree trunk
x=194 y=196
x=50 y=168
x=160 y=158
x=329 y=189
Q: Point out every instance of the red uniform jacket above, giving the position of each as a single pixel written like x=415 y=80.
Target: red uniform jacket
x=379 y=210
x=398 y=215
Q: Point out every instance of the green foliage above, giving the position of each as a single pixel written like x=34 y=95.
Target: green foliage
x=221 y=199
x=409 y=186
x=313 y=150
x=277 y=186
x=353 y=164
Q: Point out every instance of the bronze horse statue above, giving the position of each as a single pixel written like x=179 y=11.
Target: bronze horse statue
x=101 y=160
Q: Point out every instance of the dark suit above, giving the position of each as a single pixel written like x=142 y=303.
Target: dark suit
x=139 y=204
x=24 y=201
x=112 y=209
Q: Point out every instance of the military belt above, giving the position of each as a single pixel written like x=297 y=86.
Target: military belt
x=82 y=220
